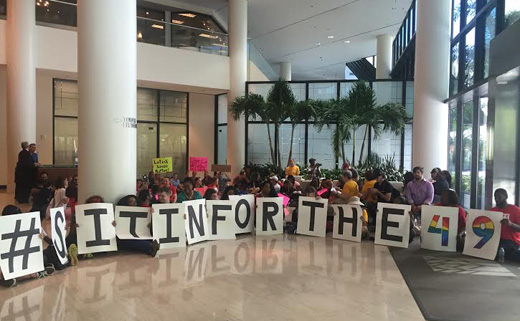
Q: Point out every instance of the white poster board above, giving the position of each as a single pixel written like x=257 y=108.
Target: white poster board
x=393 y=225
x=269 y=220
x=95 y=230
x=312 y=216
x=133 y=223
x=348 y=222
x=59 y=233
x=196 y=223
x=244 y=213
x=483 y=230
x=21 y=250
x=168 y=225
x=221 y=219
x=439 y=228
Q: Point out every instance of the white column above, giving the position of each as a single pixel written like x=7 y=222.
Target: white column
x=384 y=56
x=238 y=76
x=21 y=81
x=432 y=60
x=107 y=73
x=286 y=71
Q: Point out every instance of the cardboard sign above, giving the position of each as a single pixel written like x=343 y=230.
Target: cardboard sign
x=162 y=165
x=348 y=222
x=221 y=216
x=312 y=216
x=59 y=233
x=439 y=228
x=285 y=199
x=168 y=225
x=196 y=223
x=20 y=245
x=483 y=229
x=133 y=223
x=198 y=164
x=270 y=218
x=221 y=168
x=244 y=213
x=393 y=225
x=95 y=232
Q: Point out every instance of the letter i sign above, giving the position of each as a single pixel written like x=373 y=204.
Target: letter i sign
x=442 y=223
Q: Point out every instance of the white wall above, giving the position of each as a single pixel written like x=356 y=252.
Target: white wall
x=202 y=126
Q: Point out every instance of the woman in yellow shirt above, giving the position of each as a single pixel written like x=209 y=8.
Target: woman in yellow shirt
x=292 y=169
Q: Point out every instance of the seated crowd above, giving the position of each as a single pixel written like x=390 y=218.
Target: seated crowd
x=367 y=193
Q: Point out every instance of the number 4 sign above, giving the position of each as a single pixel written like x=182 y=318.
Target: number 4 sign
x=440 y=226
x=482 y=234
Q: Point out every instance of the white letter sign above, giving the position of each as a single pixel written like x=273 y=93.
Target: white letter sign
x=270 y=218
x=483 y=230
x=393 y=225
x=348 y=222
x=312 y=216
x=95 y=232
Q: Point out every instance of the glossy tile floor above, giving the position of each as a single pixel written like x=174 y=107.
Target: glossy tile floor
x=283 y=277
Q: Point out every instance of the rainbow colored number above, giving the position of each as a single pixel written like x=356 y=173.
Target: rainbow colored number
x=444 y=231
x=483 y=226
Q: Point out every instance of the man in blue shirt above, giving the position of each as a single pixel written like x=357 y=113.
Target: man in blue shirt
x=34 y=154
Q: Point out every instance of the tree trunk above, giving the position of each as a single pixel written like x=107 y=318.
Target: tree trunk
x=343 y=153
x=353 y=149
x=273 y=158
x=290 y=147
x=363 y=145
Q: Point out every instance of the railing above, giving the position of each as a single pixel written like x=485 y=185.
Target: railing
x=63 y=14
x=405 y=34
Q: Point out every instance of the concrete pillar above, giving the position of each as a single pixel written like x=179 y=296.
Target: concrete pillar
x=21 y=81
x=238 y=76
x=107 y=77
x=286 y=71
x=432 y=61
x=384 y=57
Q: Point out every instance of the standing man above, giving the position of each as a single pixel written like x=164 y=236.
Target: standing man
x=24 y=174
x=34 y=154
x=419 y=192
x=510 y=234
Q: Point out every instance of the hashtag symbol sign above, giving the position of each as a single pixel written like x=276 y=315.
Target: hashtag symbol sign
x=26 y=250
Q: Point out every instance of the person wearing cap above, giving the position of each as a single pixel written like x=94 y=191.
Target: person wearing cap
x=382 y=190
x=292 y=169
x=274 y=182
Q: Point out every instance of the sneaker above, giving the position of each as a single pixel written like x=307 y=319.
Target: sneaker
x=8 y=283
x=73 y=254
x=41 y=275
x=155 y=247
x=49 y=269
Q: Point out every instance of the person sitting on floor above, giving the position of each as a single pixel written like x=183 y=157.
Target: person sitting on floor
x=188 y=194
x=350 y=188
x=210 y=195
x=510 y=234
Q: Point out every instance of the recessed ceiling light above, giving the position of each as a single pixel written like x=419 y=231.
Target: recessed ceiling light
x=330 y=37
x=189 y=15
x=347 y=41
x=177 y=22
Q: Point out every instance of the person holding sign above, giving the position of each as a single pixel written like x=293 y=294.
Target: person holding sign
x=510 y=235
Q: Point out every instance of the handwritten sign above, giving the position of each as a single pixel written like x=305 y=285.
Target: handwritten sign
x=162 y=165
x=221 y=168
x=198 y=164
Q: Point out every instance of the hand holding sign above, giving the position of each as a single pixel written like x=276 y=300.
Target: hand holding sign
x=59 y=233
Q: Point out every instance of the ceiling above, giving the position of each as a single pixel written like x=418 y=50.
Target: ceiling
x=299 y=30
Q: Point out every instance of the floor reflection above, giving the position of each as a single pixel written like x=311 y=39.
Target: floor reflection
x=251 y=278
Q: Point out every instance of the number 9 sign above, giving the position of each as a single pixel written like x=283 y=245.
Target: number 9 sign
x=482 y=234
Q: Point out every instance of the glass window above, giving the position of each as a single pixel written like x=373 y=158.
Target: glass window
x=512 y=12
x=146 y=147
x=173 y=142
x=320 y=146
x=222 y=109
x=452 y=142
x=456 y=18
x=408 y=132
x=258 y=150
x=146 y=104
x=65 y=141
x=260 y=89
x=66 y=99
x=323 y=90
x=409 y=98
x=222 y=145
x=62 y=13
x=467 y=144
x=388 y=92
x=482 y=152
x=3 y=8
x=454 y=78
x=298 y=151
x=471 y=10
x=469 y=63
x=150 y=26
x=195 y=20
x=388 y=145
x=349 y=147
x=173 y=106
x=298 y=91
x=489 y=34
x=344 y=88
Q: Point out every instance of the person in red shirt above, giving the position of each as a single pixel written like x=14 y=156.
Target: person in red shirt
x=510 y=235
x=166 y=183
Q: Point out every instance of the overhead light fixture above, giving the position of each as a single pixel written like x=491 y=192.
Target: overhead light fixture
x=205 y=35
x=156 y=26
x=177 y=22
x=147 y=12
x=189 y=15
x=347 y=41
x=139 y=35
x=330 y=37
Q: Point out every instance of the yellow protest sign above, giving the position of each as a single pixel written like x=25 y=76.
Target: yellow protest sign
x=162 y=165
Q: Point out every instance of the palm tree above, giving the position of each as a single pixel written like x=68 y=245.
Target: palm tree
x=300 y=112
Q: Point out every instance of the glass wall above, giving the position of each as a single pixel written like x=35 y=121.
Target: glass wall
x=309 y=142
x=406 y=32
x=162 y=126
